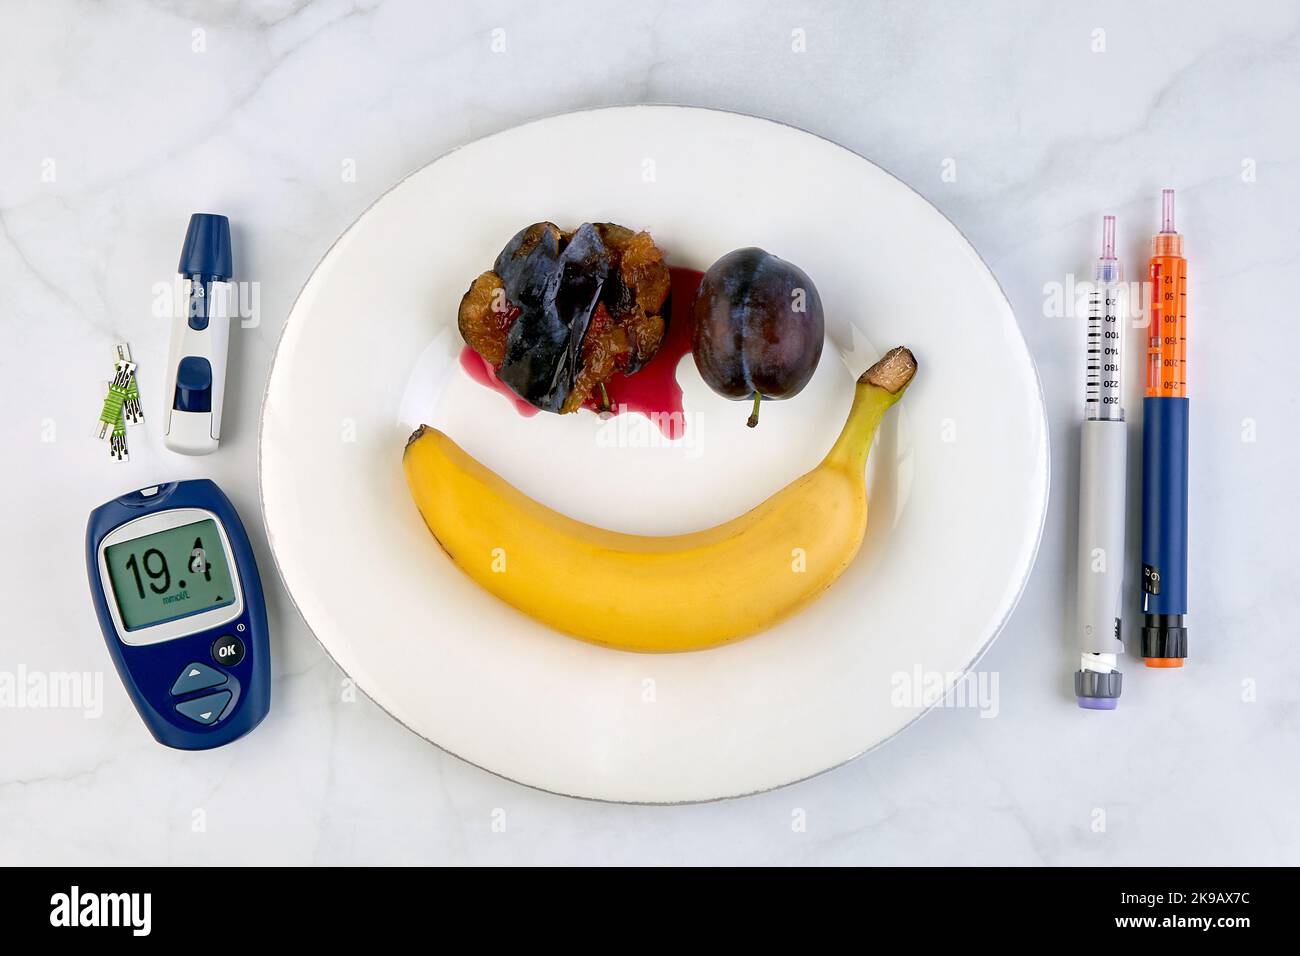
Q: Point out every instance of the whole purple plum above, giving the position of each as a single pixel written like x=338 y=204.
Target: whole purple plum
x=758 y=327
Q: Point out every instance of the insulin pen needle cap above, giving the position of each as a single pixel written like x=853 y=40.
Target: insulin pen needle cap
x=207 y=247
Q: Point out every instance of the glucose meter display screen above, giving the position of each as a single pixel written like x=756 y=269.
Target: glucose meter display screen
x=169 y=574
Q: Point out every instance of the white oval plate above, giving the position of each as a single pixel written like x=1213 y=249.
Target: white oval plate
x=958 y=479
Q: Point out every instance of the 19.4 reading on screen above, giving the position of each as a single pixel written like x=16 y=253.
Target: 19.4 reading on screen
x=169 y=574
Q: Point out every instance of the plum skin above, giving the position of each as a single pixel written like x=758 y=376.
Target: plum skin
x=748 y=338
x=559 y=289
x=560 y=312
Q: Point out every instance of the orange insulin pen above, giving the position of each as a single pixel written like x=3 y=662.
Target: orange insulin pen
x=1164 y=452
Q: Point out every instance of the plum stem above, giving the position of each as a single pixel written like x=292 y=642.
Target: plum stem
x=753 y=416
x=604 y=397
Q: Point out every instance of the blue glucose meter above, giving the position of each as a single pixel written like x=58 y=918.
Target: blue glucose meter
x=179 y=601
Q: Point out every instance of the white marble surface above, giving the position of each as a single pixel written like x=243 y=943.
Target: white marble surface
x=115 y=128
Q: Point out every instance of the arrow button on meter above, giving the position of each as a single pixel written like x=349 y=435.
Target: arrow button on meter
x=205 y=710
x=196 y=676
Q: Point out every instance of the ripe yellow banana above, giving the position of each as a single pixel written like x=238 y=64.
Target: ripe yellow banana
x=643 y=593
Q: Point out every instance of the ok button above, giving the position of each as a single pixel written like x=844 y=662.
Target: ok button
x=228 y=650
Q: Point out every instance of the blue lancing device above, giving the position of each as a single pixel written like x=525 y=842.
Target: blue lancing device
x=176 y=590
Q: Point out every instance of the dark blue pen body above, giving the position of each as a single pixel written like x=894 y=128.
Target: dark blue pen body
x=1164 y=529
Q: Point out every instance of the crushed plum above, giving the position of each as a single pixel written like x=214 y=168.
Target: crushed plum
x=562 y=312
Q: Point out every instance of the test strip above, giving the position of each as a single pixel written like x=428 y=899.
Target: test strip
x=131 y=409
x=111 y=412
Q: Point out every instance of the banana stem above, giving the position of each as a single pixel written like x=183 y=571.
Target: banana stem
x=753 y=416
x=879 y=388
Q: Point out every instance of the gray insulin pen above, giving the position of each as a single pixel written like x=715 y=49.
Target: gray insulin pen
x=1102 y=466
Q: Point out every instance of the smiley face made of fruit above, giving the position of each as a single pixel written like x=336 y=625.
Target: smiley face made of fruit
x=557 y=315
